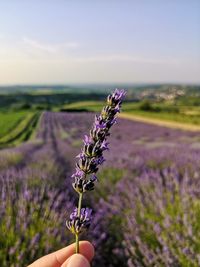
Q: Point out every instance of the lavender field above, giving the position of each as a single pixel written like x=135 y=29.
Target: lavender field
x=146 y=203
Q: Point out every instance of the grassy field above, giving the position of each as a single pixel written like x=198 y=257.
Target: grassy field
x=162 y=114
x=161 y=122
x=9 y=120
x=19 y=113
x=84 y=105
x=16 y=127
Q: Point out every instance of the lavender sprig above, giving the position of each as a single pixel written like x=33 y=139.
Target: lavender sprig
x=89 y=160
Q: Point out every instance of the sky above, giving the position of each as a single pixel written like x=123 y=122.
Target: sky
x=97 y=41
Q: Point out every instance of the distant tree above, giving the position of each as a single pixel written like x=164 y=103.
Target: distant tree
x=146 y=105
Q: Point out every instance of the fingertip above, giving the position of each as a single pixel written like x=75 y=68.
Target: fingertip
x=76 y=260
x=87 y=250
x=60 y=256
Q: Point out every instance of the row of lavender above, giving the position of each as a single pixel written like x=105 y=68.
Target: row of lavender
x=153 y=219
x=147 y=218
x=34 y=197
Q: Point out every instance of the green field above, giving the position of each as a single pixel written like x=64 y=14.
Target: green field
x=175 y=117
x=20 y=110
x=161 y=111
x=84 y=105
x=16 y=127
x=9 y=120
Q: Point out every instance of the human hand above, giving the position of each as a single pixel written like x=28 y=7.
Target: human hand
x=65 y=257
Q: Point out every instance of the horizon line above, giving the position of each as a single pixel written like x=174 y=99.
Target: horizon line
x=99 y=83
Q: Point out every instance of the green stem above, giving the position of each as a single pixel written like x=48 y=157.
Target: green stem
x=77 y=244
x=79 y=213
x=80 y=203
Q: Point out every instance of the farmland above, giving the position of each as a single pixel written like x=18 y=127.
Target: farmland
x=155 y=112
x=16 y=127
x=167 y=103
x=9 y=121
x=146 y=203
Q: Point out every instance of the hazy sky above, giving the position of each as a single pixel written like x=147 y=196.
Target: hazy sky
x=73 y=41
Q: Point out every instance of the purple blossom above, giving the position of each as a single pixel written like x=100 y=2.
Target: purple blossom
x=89 y=160
x=116 y=98
x=87 y=140
x=99 y=123
x=79 y=223
x=100 y=160
x=93 y=178
x=104 y=145
x=91 y=155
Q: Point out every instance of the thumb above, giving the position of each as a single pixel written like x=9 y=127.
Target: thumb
x=76 y=260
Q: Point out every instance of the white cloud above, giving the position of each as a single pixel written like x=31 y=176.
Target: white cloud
x=125 y=58
x=50 y=48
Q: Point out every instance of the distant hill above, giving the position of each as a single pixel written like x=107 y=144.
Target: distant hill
x=92 y=88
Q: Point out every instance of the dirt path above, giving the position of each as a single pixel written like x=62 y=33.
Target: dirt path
x=170 y=124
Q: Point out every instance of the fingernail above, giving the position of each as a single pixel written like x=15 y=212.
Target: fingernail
x=78 y=260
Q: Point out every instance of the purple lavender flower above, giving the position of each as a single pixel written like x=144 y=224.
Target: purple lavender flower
x=91 y=155
x=81 y=185
x=90 y=158
x=79 y=223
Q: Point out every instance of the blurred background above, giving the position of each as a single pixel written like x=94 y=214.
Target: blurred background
x=58 y=62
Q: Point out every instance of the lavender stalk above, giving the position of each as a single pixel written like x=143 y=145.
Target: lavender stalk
x=89 y=160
